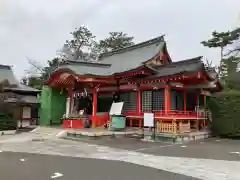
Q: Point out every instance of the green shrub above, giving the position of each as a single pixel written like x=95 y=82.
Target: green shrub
x=225 y=107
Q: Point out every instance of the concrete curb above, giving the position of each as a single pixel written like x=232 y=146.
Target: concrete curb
x=98 y=134
x=8 y=132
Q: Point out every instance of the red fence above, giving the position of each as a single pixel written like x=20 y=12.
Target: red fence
x=162 y=113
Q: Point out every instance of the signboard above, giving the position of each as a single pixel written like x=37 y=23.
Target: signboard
x=26 y=113
x=116 y=108
x=67 y=107
x=148 y=120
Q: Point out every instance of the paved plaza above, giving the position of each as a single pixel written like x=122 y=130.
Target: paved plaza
x=212 y=148
x=211 y=159
x=43 y=167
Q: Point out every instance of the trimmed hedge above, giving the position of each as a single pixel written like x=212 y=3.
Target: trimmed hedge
x=225 y=107
x=7 y=123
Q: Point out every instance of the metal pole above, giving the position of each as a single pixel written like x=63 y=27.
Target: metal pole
x=154 y=121
x=154 y=128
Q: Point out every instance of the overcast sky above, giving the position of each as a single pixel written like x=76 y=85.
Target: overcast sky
x=38 y=28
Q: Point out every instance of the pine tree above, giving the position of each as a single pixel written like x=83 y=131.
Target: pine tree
x=220 y=40
x=115 y=41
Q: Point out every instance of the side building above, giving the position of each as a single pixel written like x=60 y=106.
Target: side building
x=19 y=104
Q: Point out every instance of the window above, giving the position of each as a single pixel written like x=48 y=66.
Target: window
x=129 y=99
x=104 y=103
x=153 y=100
x=177 y=100
x=191 y=101
x=158 y=99
x=146 y=101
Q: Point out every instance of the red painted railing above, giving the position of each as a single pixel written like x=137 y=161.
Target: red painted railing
x=102 y=119
x=165 y=113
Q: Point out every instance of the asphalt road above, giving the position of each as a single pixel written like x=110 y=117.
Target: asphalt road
x=213 y=148
x=24 y=166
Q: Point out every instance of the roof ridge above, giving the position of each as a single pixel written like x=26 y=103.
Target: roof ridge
x=135 y=46
x=100 y=64
x=2 y=66
x=198 y=58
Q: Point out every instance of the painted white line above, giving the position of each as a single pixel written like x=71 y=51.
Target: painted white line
x=34 y=129
x=62 y=133
x=234 y=152
x=218 y=140
x=1 y=151
x=22 y=160
x=183 y=146
x=56 y=175
x=148 y=148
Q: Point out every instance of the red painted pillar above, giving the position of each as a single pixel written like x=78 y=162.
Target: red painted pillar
x=197 y=104
x=94 y=110
x=185 y=101
x=167 y=99
x=139 y=102
x=70 y=95
x=139 y=106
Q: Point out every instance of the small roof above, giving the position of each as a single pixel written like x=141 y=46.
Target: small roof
x=23 y=100
x=117 y=61
x=21 y=87
x=180 y=67
x=6 y=73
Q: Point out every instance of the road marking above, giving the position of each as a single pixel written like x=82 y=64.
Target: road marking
x=62 y=133
x=148 y=148
x=183 y=146
x=0 y=151
x=218 y=140
x=56 y=175
x=22 y=160
x=34 y=129
x=234 y=152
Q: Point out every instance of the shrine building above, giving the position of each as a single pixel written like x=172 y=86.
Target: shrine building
x=144 y=77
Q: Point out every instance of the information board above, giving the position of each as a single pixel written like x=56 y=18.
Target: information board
x=116 y=108
x=148 y=120
x=26 y=114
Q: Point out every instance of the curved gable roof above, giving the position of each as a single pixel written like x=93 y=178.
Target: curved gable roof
x=118 y=61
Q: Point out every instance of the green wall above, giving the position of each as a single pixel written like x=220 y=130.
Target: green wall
x=53 y=106
x=58 y=105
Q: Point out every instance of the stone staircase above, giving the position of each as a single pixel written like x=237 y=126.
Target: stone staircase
x=49 y=131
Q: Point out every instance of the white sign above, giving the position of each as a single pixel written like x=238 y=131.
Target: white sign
x=67 y=107
x=116 y=108
x=148 y=120
x=26 y=113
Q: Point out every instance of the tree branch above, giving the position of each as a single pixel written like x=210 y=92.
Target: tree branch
x=232 y=51
x=34 y=64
